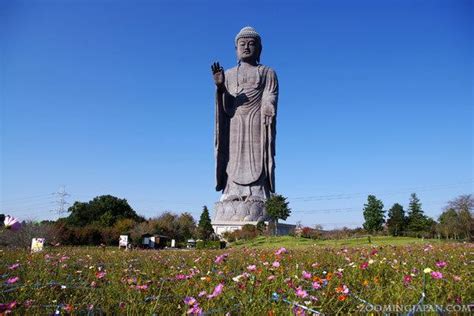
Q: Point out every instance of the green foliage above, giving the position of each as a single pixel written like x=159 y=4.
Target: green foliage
x=416 y=219
x=277 y=208
x=261 y=227
x=205 y=230
x=457 y=221
x=103 y=211
x=203 y=244
x=373 y=214
x=396 y=221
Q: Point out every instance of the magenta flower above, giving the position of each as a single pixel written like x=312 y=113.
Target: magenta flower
x=436 y=275
x=14 y=266
x=217 y=291
x=407 y=279
x=7 y=307
x=364 y=265
x=13 y=280
x=181 y=277
x=221 y=258
x=12 y=223
x=276 y=264
x=441 y=264
x=195 y=310
x=252 y=267
x=301 y=293
x=189 y=300
x=281 y=251
x=143 y=287
x=316 y=285
x=306 y=275
x=298 y=311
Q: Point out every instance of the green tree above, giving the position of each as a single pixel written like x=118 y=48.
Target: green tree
x=166 y=225
x=205 y=230
x=373 y=214
x=463 y=206
x=277 y=208
x=186 y=226
x=416 y=219
x=396 y=220
x=102 y=211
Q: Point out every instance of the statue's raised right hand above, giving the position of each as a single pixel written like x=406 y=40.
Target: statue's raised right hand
x=218 y=74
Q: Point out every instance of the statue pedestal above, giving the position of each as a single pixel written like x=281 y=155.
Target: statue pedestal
x=232 y=215
x=240 y=211
x=221 y=227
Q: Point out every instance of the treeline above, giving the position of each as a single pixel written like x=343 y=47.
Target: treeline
x=455 y=222
x=103 y=219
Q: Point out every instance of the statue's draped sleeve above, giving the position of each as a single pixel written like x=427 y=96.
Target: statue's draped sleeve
x=269 y=111
x=224 y=102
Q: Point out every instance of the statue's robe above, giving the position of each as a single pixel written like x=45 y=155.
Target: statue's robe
x=246 y=128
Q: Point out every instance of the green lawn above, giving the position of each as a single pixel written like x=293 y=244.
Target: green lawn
x=293 y=242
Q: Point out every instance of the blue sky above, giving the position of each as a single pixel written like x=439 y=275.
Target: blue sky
x=116 y=97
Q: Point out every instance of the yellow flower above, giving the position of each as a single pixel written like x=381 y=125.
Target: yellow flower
x=427 y=270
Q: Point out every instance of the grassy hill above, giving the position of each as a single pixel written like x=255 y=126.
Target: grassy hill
x=292 y=242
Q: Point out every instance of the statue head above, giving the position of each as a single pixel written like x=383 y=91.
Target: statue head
x=248 y=45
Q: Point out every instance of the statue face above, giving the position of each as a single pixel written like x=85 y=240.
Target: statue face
x=247 y=49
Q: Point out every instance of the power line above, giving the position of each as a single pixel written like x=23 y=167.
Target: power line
x=344 y=196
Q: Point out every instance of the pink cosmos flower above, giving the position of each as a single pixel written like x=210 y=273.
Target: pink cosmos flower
x=316 y=285
x=271 y=277
x=189 y=300
x=181 y=277
x=217 y=291
x=7 y=307
x=298 y=311
x=252 y=267
x=436 y=275
x=441 y=264
x=281 y=251
x=13 y=280
x=143 y=287
x=12 y=223
x=301 y=293
x=221 y=258
x=306 y=275
x=276 y=264
x=100 y=275
x=428 y=248
x=14 y=266
x=202 y=293
x=195 y=310
x=364 y=265
x=407 y=279
x=28 y=303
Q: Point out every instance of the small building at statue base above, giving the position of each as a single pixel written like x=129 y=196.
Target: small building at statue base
x=220 y=227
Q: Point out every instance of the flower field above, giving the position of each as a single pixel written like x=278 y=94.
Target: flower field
x=237 y=281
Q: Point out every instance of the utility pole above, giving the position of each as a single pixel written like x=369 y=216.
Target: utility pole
x=61 y=200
